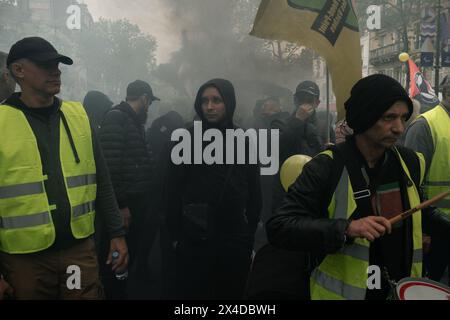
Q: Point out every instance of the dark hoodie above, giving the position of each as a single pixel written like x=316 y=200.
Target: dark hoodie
x=226 y=90
x=237 y=214
x=96 y=105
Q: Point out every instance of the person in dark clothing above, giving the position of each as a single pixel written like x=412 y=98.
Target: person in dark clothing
x=7 y=83
x=96 y=104
x=338 y=210
x=159 y=142
x=122 y=137
x=254 y=122
x=49 y=227
x=430 y=135
x=265 y=113
x=299 y=134
x=213 y=210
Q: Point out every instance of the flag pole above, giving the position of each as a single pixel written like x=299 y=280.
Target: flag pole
x=328 y=105
x=408 y=78
x=438 y=48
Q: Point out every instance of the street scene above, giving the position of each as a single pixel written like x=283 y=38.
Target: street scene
x=252 y=151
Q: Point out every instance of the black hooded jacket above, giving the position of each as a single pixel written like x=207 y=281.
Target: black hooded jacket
x=96 y=105
x=236 y=215
x=122 y=137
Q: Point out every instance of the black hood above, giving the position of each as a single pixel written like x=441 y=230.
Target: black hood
x=96 y=105
x=226 y=90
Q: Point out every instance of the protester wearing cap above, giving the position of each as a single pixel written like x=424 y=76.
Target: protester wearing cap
x=53 y=179
x=125 y=148
x=299 y=133
x=430 y=135
x=339 y=208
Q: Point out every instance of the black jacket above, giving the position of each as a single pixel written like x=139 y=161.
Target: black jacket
x=236 y=215
x=122 y=137
x=297 y=137
x=45 y=123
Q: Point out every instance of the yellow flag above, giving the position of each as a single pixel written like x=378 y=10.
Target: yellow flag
x=330 y=27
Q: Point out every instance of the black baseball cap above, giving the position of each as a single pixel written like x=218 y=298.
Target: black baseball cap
x=308 y=87
x=139 y=88
x=36 y=49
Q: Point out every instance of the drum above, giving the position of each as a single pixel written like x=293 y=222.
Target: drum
x=421 y=289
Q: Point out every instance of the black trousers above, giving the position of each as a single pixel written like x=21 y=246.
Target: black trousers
x=438 y=258
x=210 y=270
x=141 y=236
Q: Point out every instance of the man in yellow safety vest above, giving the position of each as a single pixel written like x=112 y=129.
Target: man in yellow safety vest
x=339 y=209
x=53 y=179
x=430 y=135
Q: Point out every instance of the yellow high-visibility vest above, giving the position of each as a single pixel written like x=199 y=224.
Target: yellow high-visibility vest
x=437 y=179
x=26 y=224
x=343 y=275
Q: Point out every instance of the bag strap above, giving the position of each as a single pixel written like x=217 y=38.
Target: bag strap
x=358 y=177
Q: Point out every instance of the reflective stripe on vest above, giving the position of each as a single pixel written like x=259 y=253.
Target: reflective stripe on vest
x=343 y=275
x=417 y=256
x=80 y=181
x=438 y=175
x=20 y=190
x=25 y=221
x=338 y=287
x=26 y=224
x=84 y=208
x=341 y=209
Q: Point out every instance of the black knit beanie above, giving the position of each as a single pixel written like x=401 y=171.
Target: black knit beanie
x=370 y=98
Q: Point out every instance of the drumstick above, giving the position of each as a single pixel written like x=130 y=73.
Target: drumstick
x=421 y=206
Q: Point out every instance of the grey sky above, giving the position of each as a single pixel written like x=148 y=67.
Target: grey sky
x=152 y=16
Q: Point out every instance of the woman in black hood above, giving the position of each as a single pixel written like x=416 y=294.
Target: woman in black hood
x=225 y=92
x=213 y=210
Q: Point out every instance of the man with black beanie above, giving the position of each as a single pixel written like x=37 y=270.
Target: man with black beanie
x=339 y=209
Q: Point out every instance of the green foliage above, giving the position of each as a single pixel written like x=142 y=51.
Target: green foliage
x=116 y=53
x=107 y=54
